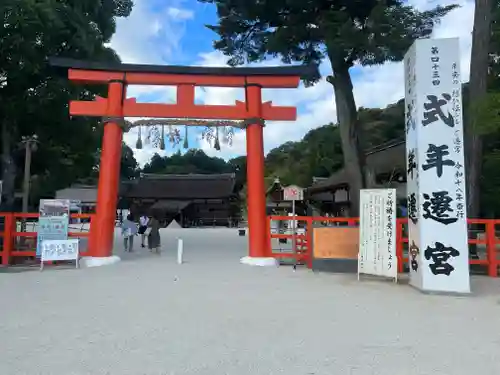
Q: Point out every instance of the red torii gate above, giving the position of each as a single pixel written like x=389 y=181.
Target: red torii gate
x=117 y=106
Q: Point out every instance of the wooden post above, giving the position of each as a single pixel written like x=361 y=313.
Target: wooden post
x=103 y=229
x=7 y=238
x=27 y=175
x=257 y=237
x=491 y=249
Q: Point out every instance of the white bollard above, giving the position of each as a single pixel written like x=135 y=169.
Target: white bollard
x=180 y=246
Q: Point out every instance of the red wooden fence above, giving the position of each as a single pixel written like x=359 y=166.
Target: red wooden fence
x=303 y=253
x=12 y=238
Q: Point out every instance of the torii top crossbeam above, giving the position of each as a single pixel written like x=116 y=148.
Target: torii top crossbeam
x=185 y=78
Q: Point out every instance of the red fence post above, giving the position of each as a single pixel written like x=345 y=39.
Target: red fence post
x=309 y=241
x=491 y=249
x=7 y=238
x=269 y=251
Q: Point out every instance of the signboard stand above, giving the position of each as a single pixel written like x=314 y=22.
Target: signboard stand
x=60 y=250
x=53 y=221
x=377 y=234
x=293 y=193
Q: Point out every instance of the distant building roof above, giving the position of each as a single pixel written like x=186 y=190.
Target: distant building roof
x=387 y=157
x=322 y=195
x=380 y=159
x=180 y=186
x=275 y=187
x=316 y=180
x=83 y=193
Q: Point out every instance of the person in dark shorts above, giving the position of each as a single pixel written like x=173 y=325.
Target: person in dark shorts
x=143 y=225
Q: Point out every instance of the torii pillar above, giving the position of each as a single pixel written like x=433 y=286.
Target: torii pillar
x=116 y=107
x=258 y=246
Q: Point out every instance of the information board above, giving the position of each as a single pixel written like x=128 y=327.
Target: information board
x=293 y=193
x=57 y=250
x=53 y=221
x=377 y=233
x=335 y=243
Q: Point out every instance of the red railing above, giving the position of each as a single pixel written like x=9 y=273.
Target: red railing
x=303 y=252
x=12 y=238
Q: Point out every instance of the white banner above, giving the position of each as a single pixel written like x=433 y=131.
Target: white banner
x=54 y=250
x=437 y=218
x=377 y=233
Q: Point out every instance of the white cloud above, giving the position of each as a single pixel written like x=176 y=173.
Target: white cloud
x=149 y=36
x=373 y=86
x=316 y=104
x=180 y=14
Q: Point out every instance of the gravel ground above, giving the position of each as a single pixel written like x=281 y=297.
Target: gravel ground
x=211 y=315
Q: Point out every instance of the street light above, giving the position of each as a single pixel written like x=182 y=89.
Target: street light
x=30 y=144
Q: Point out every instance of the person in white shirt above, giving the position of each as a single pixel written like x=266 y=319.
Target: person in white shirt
x=143 y=225
x=129 y=230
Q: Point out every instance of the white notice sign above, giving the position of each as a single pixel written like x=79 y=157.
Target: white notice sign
x=293 y=193
x=377 y=233
x=56 y=250
x=437 y=217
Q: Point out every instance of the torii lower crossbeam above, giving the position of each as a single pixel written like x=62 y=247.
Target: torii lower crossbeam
x=116 y=107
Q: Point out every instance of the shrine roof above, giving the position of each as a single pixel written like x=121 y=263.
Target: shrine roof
x=177 y=186
x=275 y=186
x=302 y=71
x=380 y=159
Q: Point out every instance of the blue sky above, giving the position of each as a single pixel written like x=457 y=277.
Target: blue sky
x=173 y=32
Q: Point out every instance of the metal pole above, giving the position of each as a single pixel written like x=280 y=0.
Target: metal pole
x=294 y=240
x=29 y=143
x=27 y=175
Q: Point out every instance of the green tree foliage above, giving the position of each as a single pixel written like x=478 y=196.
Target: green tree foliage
x=34 y=100
x=319 y=153
x=193 y=161
x=129 y=168
x=382 y=125
x=346 y=32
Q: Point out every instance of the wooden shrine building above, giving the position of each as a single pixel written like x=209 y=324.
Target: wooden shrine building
x=190 y=199
x=386 y=164
x=276 y=205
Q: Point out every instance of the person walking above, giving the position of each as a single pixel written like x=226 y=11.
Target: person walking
x=154 y=240
x=143 y=225
x=129 y=231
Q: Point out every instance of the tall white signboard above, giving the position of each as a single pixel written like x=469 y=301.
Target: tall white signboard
x=437 y=217
x=377 y=233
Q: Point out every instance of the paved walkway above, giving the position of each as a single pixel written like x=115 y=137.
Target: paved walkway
x=148 y=315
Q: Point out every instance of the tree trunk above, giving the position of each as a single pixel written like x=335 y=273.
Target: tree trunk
x=347 y=115
x=478 y=87
x=481 y=35
x=8 y=169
